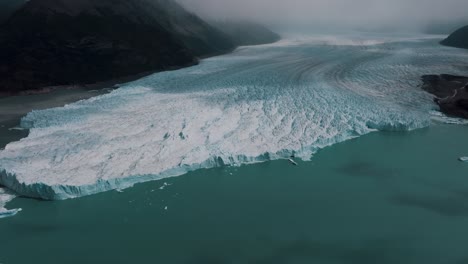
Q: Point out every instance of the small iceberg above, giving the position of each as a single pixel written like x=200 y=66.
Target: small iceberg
x=17 y=128
x=293 y=162
x=463 y=159
x=164 y=186
x=5 y=197
x=9 y=213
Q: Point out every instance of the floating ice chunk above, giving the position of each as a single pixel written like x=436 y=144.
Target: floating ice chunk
x=17 y=128
x=164 y=186
x=5 y=197
x=292 y=162
x=9 y=213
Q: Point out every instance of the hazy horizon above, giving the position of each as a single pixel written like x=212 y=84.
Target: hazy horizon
x=367 y=14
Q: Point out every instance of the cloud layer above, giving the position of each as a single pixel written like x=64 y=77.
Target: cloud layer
x=399 y=13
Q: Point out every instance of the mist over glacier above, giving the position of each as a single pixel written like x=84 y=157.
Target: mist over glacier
x=400 y=15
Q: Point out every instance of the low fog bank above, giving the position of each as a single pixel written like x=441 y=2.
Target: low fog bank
x=429 y=16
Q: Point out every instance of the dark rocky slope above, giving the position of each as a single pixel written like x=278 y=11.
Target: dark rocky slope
x=451 y=93
x=444 y=27
x=458 y=39
x=62 y=42
x=8 y=7
x=246 y=33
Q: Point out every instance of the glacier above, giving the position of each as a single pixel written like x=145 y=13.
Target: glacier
x=256 y=104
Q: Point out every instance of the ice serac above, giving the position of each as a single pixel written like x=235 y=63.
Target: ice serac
x=257 y=104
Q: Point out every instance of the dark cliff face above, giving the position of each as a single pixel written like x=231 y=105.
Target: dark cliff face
x=8 y=7
x=458 y=39
x=198 y=36
x=62 y=42
x=451 y=93
x=246 y=33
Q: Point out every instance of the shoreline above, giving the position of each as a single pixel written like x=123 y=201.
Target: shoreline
x=450 y=93
x=11 y=113
x=109 y=84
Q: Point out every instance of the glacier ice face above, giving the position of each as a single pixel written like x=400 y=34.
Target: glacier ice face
x=256 y=104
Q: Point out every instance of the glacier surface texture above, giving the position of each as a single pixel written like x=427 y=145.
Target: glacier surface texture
x=259 y=103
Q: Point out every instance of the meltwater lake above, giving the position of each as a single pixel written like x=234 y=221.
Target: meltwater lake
x=378 y=178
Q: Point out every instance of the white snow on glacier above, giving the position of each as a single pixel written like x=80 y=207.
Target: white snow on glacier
x=256 y=104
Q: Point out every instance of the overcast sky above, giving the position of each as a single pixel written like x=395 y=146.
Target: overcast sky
x=356 y=12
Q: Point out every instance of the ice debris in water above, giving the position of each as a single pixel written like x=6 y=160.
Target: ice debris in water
x=5 y=197
x=164 y=186
x=4 y=213
x=439 y=117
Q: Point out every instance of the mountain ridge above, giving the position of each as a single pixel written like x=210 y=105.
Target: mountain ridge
x=66 y=42
x=458 y=39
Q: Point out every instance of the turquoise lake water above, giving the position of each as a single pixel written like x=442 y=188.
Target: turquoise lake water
x=385 y=197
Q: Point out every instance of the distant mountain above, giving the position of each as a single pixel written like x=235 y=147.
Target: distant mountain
x=444 y=28
x=200 y=37
x=458 y=39
x=62 y=42
x=246 y=33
